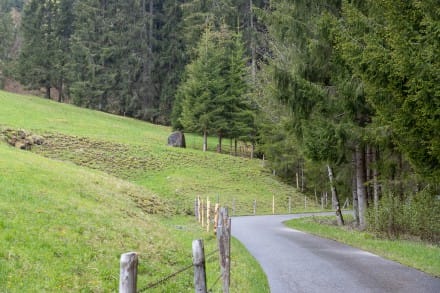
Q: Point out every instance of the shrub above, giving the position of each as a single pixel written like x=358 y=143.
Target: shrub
x=416 y=215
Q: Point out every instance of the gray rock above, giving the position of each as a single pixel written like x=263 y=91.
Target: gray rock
x=177 y=139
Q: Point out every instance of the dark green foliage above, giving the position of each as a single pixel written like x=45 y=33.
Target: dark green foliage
x=7 y=39
x=213 y=95
x=47 y=26
x=7 y=5
x=416 y=215
x=102 y=64
x=393 y=47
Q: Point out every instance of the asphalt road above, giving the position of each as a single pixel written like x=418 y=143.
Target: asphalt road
x=298 y=262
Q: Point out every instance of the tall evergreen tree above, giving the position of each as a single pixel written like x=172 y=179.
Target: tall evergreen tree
x=6 y=36
x=305 y=76
x=108 y=70
x=393 y=47
x=47 y=26
x=36 y=62
x=213 y=95
x=203 y=88
x=172 y=56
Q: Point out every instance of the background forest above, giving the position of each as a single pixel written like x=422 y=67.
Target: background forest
x=339 y=96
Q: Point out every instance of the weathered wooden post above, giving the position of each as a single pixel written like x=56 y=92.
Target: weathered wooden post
x=216 y=217
x=199 y=266
x=128 y=272
x=255 y=206
x=199 y=209
x=208 y=214
x=203 y=213
x=273 y=204
x=224 y=244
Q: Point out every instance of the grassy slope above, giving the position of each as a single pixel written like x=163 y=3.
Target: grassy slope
x=170 y=172
x=63 y=227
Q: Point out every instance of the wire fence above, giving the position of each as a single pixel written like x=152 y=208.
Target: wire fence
x=163 y=280
x=129 y=262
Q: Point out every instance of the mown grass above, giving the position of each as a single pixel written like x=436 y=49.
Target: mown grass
x=416 y=254
x=102 y=185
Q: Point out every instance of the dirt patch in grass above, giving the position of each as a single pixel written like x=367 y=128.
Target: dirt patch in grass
x=113 y=158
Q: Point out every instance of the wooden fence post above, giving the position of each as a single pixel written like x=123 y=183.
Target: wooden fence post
x=203 y=213
x=216 y=217
x=199 y=266
x=224 y=244
x=199 y=213
x=128 y=272
x=208 y=214
x=255 y=206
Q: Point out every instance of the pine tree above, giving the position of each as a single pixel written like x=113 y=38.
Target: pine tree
x=36 y=62
x=302 y=76
x=394 y=52
x=109 y=57
x=203 y=87
x=213 y=95
x=172 y=57
x=6 y=36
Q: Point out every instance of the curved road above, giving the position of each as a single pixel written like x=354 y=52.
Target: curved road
x=298 y=262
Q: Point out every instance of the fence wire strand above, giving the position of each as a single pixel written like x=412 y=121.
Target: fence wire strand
x=164 y=279
x=215 y=283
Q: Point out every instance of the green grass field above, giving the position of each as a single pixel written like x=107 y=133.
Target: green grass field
x=102 y=185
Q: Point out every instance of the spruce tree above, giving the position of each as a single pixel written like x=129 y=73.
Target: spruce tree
x=214 y=94
x=395 y=55
x=36 y=62
x=201 y=92
x=6 y=36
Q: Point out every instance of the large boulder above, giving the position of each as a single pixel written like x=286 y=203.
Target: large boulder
x=177 y=139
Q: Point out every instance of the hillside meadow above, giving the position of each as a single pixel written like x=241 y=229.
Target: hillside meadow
x=101 y=185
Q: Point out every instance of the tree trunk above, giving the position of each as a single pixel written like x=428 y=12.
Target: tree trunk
x=150 y=29
x=355 y=200
x=360 y=186
x=253 y=49
x=302 y=176
x=369 y=173
x=235 y=146
x=205 y=140
x=60 y=91
x=47 y=95
x=376 y=187
x=231 y=150
x=219 y=147
x=335 y=199
x=354 y=190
